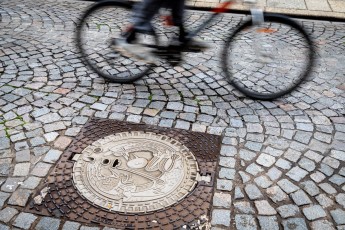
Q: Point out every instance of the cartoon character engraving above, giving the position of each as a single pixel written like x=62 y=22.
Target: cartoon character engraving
x=135 y=172
x=131 y=170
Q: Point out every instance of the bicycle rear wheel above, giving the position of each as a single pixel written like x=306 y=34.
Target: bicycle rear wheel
x=98 y=26
x=268 y=60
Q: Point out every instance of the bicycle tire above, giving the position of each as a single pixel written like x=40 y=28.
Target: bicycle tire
x=106 y=62
x=305 y=49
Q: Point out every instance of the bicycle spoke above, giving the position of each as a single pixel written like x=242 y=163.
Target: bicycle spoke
x=268 y=59
x=100 y=25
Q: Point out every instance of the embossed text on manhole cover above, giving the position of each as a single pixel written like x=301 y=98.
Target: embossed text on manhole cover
x=135 y=172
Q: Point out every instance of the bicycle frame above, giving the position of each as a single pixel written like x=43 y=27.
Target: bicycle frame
x=216 y=11
x=223 y=7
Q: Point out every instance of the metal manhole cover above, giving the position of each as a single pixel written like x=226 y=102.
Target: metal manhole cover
x=135 y=172
x=127 y=169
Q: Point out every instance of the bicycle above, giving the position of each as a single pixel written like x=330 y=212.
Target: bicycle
x=265 y=57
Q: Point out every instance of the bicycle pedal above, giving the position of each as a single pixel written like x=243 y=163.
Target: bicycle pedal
x=192 y=50
x=136 y=51
x=174 y=63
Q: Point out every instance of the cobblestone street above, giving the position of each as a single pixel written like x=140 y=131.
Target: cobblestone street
x=282 y=163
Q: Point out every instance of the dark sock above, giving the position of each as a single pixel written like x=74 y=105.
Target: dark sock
x=183 y=34
x=131 y=36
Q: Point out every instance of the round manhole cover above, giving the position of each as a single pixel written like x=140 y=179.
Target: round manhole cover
x=135 y=172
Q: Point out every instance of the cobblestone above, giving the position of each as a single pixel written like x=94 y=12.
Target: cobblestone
x=48 y=223
x=52 y=156
x=338 y=180
x=288 y=210
x=10 y=184
x=268 y=222
x=23 y=156
x=254 y=169
x=228 y=151
x=247 y=155
x=21 y=169
x=4 y=143
x=7 y=214
x=328 y=188
x=292 y=155
x=221 y=217
x=19 y=197
x=99 y=106
x=285 y=165
x=314 y=212
x=227 y=173
x=37 y=141
x=297 y=173
x=274 y=173
x=264 y=208
x=276 y=194
x=175 y=106
x=228 y=162
x=182 y=125
x=324 y=201
x=245 y=222
x=62 y=142
x=238 y=193
x=69 y=225
x=338 y=216
x=38 y=151
x=340 y=198
x=295 y=223
x=263 y=182
x=327 y=170
x=244 y=176
x=56 y=126
x=322 y=224
x=5 y=169
x=31 y=183
x=253 y=192
x=265 y=160
x=310 y=187
x=300 y=198
x=24 y=220
x=49 y=118
x=244 y=207
x=225 y=185
x=340 y=155
x=317 y=177
x=3 y=197
x=222 y=200
x=41 y=169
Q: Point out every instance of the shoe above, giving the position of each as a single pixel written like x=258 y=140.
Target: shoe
x=196 y=44
x=188 y=45
x=133 y=50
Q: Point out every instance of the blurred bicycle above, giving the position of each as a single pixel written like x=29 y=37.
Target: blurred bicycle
x=265 y=57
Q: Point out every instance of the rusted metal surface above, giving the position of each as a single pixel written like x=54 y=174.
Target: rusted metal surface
x=63 y=200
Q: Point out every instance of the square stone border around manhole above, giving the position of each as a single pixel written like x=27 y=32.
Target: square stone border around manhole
x=63 y=200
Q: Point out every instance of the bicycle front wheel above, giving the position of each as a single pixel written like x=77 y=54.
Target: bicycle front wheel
x=98 y=27
x=268 y=60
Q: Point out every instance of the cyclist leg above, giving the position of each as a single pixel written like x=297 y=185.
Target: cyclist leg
x=178 y=9
x=142 y=16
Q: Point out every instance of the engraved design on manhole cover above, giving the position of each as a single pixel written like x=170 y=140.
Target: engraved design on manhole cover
x=135 y=172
